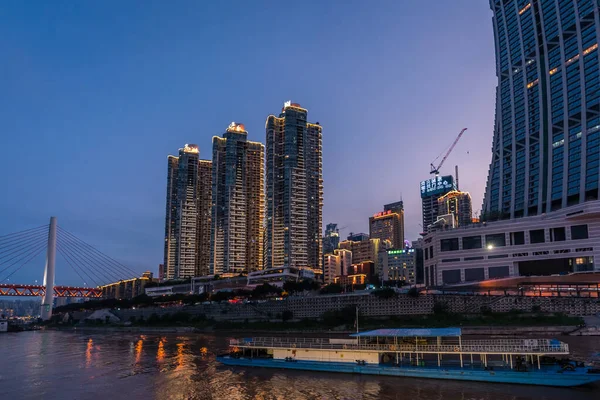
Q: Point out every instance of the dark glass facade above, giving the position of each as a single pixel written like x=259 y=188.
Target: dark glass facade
x=546 y=147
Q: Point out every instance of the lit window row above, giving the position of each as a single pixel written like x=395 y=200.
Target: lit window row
x=522 y=10
x=532 y=84
x=575 y=58
x=590 y=49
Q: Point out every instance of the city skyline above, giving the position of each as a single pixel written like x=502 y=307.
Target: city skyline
x=368 y=96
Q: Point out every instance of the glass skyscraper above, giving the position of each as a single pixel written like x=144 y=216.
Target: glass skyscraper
x=546 y=147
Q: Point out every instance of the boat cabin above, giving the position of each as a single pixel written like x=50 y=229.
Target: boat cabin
x=438 y=347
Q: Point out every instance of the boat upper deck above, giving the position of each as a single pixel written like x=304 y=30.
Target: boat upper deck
x=422 y=341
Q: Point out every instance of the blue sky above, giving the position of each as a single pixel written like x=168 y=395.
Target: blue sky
x=95 y=95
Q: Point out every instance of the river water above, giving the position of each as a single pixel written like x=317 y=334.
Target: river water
x=108 y=365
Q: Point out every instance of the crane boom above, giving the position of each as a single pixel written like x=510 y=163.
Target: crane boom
x=436 y=170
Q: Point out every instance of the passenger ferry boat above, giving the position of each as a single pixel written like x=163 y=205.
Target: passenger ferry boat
x=419 y=353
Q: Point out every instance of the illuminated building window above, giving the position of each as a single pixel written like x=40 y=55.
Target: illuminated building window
x=527 y=7
x=590 y=49
x=572 y=59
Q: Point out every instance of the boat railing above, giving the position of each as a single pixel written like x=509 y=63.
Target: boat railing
x=533 y=346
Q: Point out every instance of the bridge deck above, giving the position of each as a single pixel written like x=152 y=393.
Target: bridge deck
x=40 y=290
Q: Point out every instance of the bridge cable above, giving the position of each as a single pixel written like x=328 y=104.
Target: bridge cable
x=83 y=259
x=68 y=251
x=131 y=271
x=26 y=232
x=23 y=251
x=64 y=256
x=17 y=245
x=13 y=245
x=112 y=269
x=35 y=253
x=108 y=259
x=15 y=240
x=92 y=258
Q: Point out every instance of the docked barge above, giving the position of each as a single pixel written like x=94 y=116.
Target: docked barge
x=419 y=353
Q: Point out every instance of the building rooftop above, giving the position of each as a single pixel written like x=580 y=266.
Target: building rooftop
x=417 y=332
x=235 y=127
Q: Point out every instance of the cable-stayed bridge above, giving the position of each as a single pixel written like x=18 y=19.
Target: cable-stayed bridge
x=93 y=267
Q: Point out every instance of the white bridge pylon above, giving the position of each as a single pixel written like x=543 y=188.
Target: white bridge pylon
x=47 y=300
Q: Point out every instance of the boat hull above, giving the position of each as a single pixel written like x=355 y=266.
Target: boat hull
x=550 y=377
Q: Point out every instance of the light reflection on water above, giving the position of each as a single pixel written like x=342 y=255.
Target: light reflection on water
x=68 y=365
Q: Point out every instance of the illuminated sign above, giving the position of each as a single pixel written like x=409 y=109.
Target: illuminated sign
x=381 y=214
x=437 y=185
x=407 y=251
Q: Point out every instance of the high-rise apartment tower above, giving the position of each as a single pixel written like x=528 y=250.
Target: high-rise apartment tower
x=236 y=239
x=294 y=189
x=187 y=220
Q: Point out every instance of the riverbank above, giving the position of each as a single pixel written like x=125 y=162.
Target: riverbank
x=473 y=330
x=343 y=322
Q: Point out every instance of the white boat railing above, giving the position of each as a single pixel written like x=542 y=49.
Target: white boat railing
x=501 y=346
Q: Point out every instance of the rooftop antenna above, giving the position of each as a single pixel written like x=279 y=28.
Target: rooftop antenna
x=456 y=176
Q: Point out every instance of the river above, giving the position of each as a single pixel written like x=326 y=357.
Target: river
x=117 y=365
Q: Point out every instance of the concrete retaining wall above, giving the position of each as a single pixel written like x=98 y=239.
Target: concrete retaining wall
x=373 y=306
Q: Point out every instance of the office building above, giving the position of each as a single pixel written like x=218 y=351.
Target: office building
x=388 y=225
x=399 y=266
x=357 y=237
x=561 y=242
x=294 y=190
x=337 y=264
x=546 y=147
x=161 y=272
x=417 y=246
x=458 y=205
x=331 y=239
x=236 y=234
x=364 y=250
x=185 y=220
x=431 y=190
x=128 y=288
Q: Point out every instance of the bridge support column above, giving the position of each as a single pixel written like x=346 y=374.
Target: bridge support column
x=47 y=300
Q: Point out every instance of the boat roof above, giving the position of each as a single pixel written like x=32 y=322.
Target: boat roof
x=417 y=332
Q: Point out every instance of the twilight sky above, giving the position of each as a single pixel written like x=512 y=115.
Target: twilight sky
x=94 y=95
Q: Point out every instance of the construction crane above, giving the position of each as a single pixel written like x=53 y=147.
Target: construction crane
x=436 y=170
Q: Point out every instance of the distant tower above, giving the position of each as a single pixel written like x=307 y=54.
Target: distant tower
x=459 y=205
x=389 y=225
x=431 y=190
x=331 y=240
x=294 y=189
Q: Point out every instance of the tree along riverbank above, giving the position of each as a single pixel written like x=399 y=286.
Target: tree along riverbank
x=343 y=321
